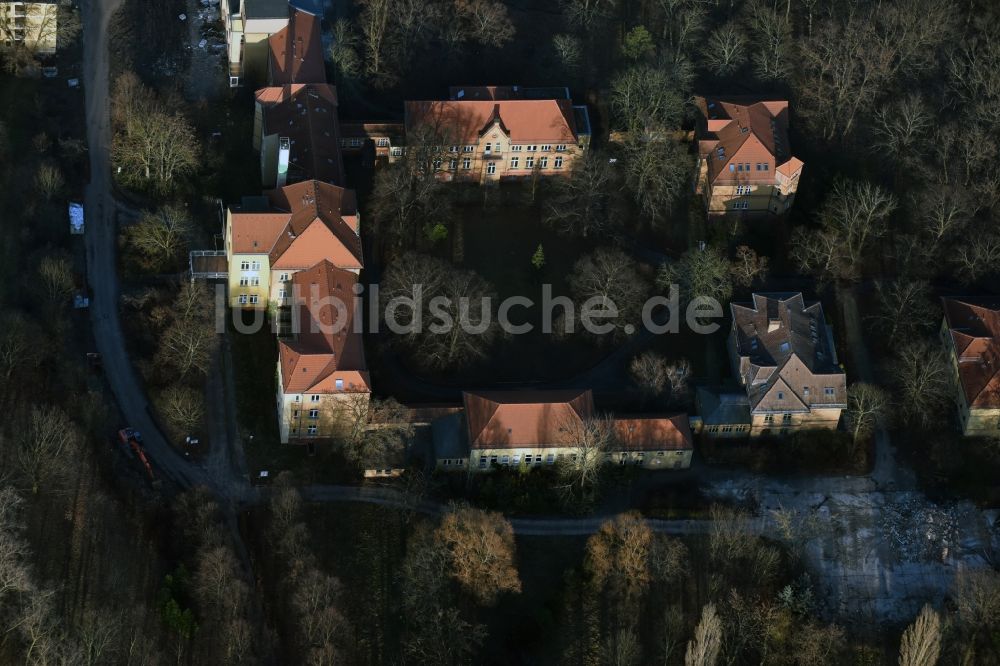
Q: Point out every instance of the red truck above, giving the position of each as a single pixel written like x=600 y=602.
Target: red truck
x=131 y=439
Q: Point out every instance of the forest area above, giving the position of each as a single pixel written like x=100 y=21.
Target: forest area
x=894 y=112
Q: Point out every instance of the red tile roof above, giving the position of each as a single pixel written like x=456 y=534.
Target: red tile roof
x=530 y=419
x=296 y=51
x=307 y=116
x=653 y=433
x=740 y=131
x=975 y=332
x=326 y=347
x=309 y=222
x=525 y=120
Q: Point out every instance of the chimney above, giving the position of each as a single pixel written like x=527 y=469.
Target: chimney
x=284 y=150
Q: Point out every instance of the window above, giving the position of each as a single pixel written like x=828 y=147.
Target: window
x=560 y=147
x=531 y=149
x=255 y=281
x=558 y=162
x=314 y=398
x=314 y=413
x=356 y=142
x=739 y=167
x=528 y=459
x=543 y=162
x=515 y=149
x=517 y=459
x=514 y=162
x=493 y=460
x=437 y=163
x=283 y=277
x=781 y=396
x=741 y=205
x=282 y=294
x=769 y=418
x=295 y=413
x=829 y=392
x=297 y=398
x=244 y=281
x=546 y=147
x=382 y=142
x=339 y=384
x=466 y=163
x=447 y=462
x=452 y=149
x=452 y=164
x=550 y=459
x=746 y=166
x=468 y=149
x=489 y=148
x=255 y=265
x=767 y=167
x=805 y=390
x=573 y=457
x=529 y=162
x=504 y=460
x=732 y=167
x=295 y=430
x=786 y=418
x=538 y=459
x=253 y=299
x=312 y=430
x=483 y=462
x=491 y=168
x=396 y=152
x=743 y=190
x=244 y=265
x=727 y=428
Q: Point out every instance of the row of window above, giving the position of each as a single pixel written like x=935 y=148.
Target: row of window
x=311 y=430
x=740 y=167
x=247 y=265
x=313 y=414
x=249 y=281
x=785 y=418
x=550 y=459
x=727 y=428
x=357 y=142
x=828 y=391
x=252 y=299
x=515 y=163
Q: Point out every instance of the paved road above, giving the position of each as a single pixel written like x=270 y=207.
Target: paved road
x=100 y=238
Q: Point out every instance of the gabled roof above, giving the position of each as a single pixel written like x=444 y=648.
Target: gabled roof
x=975 y=333
x=325 y=346
x=296 y=51
x=744 y=130
x=307 y=223
x=785 y=354
x=306 y=114
x=653 y=433
x=723 y=408
x=525 y=120
x=514 y=419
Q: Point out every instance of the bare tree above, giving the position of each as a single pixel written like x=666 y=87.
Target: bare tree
x=481 y=553
x=152 y=146
x=942 y=210
x=586 y=14
x=454 y=323
x=703 y=649
x=854 y=215
x=699 y=273
x=867 y=404
x=606 y=281
x=344 y=49
x=56 y=274
x=921 y=643
x=658 y=173
x=581 y=203
x=162 y=236
x=375 y=29
x=649 y=372
x=648 y=101
x=622 y=648
x=49 y=180
x=749 y=267
x=617 y=556
x=182 y=408
x=321 y=624
x=725 y=52
x=190 y=338
x=590 y=438
x=15 y=575
x=19 y=346
x=924 y=378
x=901 y=128
x=773 y=36
x=569 y=52
x=977 y=257
x=905 y=309
x=681 y=25
x=46 y=446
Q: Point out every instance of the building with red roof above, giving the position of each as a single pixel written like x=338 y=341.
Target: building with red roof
x=745 y=165
x=971 y=336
